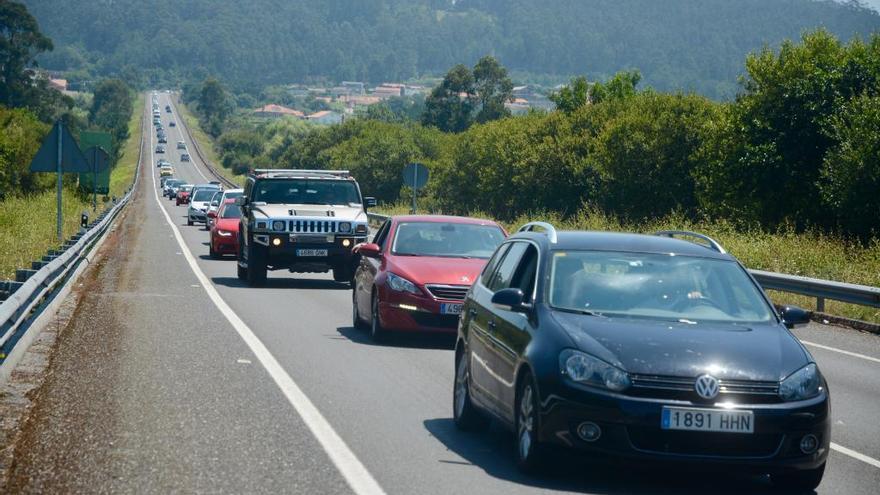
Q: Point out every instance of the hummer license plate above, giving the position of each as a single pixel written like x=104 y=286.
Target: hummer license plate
x=311 y=252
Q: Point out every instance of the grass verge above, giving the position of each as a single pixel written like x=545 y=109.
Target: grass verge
x=27 y=224
x=808 y=254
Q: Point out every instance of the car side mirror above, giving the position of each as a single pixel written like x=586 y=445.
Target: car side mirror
x=241 y=200
x=370 y=202
x=212 y=214
x=369 y=250
x=793 y=316
x=511 y=299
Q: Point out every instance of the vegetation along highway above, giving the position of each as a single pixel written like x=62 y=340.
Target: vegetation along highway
x=251 y=306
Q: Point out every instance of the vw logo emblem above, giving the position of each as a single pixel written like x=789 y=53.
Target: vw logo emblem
x=707 y=386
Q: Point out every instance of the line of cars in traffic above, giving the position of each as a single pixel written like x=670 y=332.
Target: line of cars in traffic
x=654 y=348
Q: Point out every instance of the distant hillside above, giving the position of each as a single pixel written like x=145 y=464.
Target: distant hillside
x=690 y=44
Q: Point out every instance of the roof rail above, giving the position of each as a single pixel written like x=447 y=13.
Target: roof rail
x=713 y=244
x=340 y=173
x=549 y=229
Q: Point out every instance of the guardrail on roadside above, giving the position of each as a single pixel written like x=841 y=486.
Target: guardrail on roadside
x=24 y=303
x=211 y=168
x=861 y=295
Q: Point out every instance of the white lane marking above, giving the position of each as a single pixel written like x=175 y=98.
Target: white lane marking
x=183 y=138
x=848 y=353
x=243 y=361
x=355 y=473
x=855 y=455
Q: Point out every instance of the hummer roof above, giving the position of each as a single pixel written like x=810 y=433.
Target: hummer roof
x=279 y=173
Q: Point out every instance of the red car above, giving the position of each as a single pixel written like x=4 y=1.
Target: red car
x=416 y=272
x=224 y=230
x=183 y=194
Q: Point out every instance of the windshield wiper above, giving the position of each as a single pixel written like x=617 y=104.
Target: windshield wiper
x=579 y=311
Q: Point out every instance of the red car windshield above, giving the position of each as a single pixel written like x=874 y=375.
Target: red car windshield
x=447 y=239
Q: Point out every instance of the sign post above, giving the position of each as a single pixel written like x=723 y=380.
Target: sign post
x=59 y=153
x=99 y=161
x=97 y=146
x=415 y=175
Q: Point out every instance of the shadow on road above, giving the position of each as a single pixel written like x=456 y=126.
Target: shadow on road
x=409 y=340
x=493 y=452
x=282 y=283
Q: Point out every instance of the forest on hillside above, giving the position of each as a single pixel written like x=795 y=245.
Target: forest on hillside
x=676 y=44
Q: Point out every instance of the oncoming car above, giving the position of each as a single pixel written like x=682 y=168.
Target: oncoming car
x=416 y=272
x=649 y=348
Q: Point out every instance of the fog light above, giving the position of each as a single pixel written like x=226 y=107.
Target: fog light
x=346 y=243
x=809 y=444
x=589 y=432
x=276 y=241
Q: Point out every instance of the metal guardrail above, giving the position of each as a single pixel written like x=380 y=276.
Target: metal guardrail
x=211 y=167
x=861 y=295
x=24 y=303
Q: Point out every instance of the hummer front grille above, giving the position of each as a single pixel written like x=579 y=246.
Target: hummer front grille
x=313 y=226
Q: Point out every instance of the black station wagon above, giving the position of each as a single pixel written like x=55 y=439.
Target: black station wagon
x=645 y=347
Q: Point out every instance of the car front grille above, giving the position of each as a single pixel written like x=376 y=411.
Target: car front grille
x=434 y=320
x=700 y=443
x=313 y=226
x=741 y=391
x=448 y=292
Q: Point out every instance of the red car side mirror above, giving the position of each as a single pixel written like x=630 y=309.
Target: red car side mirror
x=369 y=250
x=212 y=214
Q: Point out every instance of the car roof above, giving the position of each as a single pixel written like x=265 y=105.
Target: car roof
x=443 y=219
x=622 y=242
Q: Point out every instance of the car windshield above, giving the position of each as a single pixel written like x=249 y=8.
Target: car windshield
x=447 y=239
x=186 y=188
x=204 y=194
x=230 y=211
x=640 y=285
x=307 y=192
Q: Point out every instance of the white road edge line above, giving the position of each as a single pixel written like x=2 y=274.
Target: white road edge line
x=848 y=353
x=355 y=473
x=855 y=455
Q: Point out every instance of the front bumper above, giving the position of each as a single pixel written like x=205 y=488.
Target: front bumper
x=224 y=244
x=285 y=251
x=631 y=429
x=402 y=311
x=197 y=215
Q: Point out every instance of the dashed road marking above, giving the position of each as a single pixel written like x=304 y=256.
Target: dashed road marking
x=855 y=455
x=848 y=353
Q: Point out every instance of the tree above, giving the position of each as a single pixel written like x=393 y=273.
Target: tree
x=571 y=97
x=850 y=179
x=20 y=43
x=214 y=105
x=493 y=89
x=20 y=138
x=449 y=106
x=621 y=86
x=111 y=108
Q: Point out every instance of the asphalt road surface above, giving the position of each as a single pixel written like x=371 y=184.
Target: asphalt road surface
x=227 y=388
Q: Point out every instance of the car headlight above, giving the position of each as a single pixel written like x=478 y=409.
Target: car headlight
x=344 y=227
x=802 y=384
x=278 y=225
x=224 y=233
x=361 y=229
x=401 y=284
x=588 y=370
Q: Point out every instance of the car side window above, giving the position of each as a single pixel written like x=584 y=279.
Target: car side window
x=503 y=276
x=489 y=269
x=524 y=276
x=382 y=234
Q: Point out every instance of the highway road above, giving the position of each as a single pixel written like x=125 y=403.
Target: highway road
x=233 y=389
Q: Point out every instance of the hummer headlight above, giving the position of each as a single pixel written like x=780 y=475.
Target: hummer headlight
x=278 y=225
x=344 y=227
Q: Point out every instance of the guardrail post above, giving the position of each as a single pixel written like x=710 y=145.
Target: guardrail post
x=24 y=274
x=820 y=304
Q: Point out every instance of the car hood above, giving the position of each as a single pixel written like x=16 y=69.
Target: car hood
x=761 y=352
x=437 y=270
x=230 y=224
x=353 y=214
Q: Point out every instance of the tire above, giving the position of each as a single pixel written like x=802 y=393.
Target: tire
x=464 y=413
x=256 y=266
x=213 y=254
x=377 y=333
x=530 y=455
x=356 y=321
x=799 y=481
x=189 y=221
x=342 y=274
